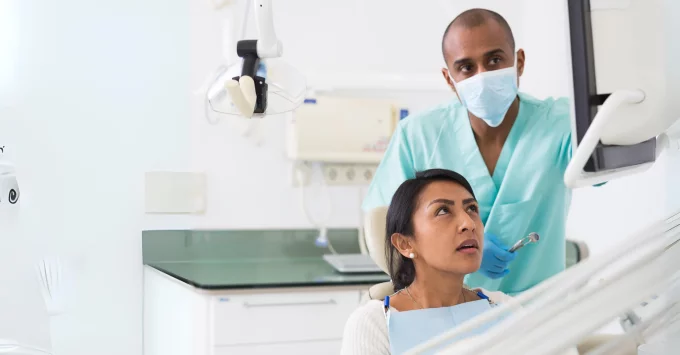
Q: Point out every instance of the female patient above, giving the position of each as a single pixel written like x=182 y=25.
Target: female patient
x=434 y=238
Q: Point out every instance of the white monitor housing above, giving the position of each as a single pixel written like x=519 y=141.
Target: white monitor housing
x=626 y=84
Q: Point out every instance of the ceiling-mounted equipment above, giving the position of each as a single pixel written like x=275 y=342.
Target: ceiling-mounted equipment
x=262 y=84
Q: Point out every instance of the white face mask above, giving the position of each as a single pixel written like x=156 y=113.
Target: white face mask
x=488 y=95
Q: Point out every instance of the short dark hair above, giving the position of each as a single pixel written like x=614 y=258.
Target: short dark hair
x=400 y=220
x=477 y=17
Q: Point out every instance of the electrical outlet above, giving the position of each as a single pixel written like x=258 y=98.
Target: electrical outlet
x=366 y=173
x=333 y=174
x=348 y=174
x=301 y=170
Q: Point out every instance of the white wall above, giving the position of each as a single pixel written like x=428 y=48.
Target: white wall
x=544 y=36
x=101 y=95
x=104 y=92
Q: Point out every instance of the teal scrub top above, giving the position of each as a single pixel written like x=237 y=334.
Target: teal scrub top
x=525 y=194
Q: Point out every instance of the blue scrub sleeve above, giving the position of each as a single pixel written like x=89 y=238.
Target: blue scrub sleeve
x=395 y=167
x=566 y=151
x=560 y=113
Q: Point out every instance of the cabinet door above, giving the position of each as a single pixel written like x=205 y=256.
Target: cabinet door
x=306 y=348
x=281 y=317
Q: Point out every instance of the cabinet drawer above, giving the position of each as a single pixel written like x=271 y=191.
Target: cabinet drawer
x=281 y=317
x=306 y=348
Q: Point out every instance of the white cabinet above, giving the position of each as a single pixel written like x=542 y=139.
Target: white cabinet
x=281 y=317
x=182 y=320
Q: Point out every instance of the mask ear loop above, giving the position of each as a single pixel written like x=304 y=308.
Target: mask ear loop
x=516 y=72
x=448 y=72
x=455 y=86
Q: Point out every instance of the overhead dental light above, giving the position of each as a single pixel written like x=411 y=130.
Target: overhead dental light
x=262 y=84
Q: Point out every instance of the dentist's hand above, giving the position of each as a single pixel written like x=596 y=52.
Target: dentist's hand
x=495 y=257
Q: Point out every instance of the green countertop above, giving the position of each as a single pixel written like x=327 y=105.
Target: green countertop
x=251 y=259
x=238 y=259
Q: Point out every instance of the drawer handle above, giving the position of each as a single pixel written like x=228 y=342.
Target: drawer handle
x=317 y=303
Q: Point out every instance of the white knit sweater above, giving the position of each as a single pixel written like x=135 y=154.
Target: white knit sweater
x=366 y=329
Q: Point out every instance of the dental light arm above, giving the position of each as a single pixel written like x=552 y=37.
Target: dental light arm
x=249 y=91
x=268 y=46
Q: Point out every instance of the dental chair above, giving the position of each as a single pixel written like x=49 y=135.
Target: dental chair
x=374 y=231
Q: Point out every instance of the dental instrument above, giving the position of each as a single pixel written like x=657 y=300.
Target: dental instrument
x=533 y=237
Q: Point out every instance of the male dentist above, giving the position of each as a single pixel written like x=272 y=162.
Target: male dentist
x=512 y=148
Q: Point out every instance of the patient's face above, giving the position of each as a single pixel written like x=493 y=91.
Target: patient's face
x=448 y=229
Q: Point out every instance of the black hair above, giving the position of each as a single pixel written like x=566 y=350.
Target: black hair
x=400 y=220
x=476 y=17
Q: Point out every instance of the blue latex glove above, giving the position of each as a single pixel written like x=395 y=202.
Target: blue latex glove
x=495 y=257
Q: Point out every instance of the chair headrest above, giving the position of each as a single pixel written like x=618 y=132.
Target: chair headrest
x=375 y=230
